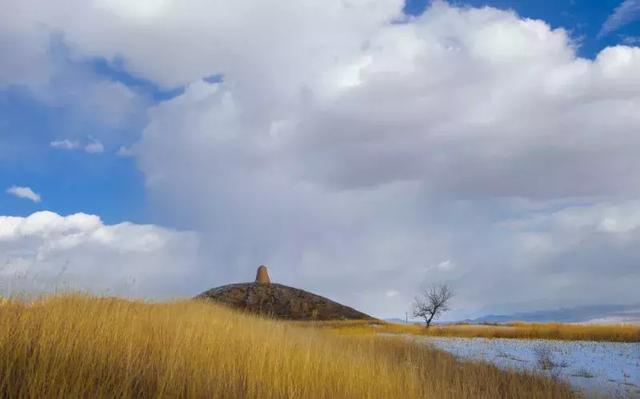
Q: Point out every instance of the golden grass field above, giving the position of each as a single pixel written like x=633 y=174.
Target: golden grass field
x=574 y=332
x=76 y=346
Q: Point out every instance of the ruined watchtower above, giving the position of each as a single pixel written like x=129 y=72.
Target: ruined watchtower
x=262 y=276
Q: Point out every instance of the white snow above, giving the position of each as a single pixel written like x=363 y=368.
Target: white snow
x=595 y=368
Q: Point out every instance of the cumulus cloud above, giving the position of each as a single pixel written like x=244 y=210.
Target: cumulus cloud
x=46 y=251
x=628 y=11
x=401 y=154
x=24 y=192
x=353 y=149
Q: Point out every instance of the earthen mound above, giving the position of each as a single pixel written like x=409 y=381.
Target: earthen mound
x=280 y=301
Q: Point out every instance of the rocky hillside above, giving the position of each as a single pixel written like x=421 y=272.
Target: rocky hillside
x=280 y=301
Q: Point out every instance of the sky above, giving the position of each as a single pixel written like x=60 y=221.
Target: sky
x=362 y=149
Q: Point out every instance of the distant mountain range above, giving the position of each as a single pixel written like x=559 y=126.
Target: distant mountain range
x=580 y=314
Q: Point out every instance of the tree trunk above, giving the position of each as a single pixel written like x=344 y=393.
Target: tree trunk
x=428 y=320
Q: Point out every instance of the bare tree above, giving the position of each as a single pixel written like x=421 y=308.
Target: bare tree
x=432 y=302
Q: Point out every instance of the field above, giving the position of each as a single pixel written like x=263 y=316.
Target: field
x=597 y=360
x=557 y=331
x=81 y=346
x=598 y=369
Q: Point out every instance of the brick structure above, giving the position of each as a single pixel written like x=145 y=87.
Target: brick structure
x=262 y=276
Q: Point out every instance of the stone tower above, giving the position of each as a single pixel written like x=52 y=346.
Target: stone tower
x=262 y=276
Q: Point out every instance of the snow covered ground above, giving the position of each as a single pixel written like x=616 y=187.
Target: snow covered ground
x=596 y=368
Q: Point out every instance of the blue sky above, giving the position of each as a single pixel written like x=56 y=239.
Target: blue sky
x=330 y=142
x=68 y=182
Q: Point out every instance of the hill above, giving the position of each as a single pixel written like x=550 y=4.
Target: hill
x=280 y=301
x=580 y=314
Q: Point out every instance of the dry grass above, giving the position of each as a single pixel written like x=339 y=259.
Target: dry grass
x=576 y=332
x=77 y=346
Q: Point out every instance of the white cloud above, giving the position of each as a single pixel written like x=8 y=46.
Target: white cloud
x=94 y=147
x=397 y=156
x=627 y=12
x=46 y=251
x=25 y=59
x=24 y=192
x=65 y=144
x=445 y=265
x=142 y=9
x=91 y=146
x=113 y=103
x=125 y=152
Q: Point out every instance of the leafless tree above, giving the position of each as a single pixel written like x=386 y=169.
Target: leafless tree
x=432 y=302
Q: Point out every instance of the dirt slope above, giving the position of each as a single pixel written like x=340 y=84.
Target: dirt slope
x=281 y=301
